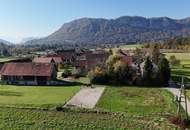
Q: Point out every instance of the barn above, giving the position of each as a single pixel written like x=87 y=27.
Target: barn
x=28 y=73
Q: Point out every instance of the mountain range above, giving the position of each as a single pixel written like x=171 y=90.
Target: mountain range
x=5 y=42
x=124 y=29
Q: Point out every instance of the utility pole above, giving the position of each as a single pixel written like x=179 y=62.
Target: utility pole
x=182 y=95
x=185 y=97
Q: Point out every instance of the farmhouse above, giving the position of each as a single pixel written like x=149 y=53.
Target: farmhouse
x=56 y=60
x=90 y=59
x=126 y=57
x=28 y=73
x=68 y=56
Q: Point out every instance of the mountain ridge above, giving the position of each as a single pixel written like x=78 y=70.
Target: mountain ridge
x=123 y=29
x=5 y=42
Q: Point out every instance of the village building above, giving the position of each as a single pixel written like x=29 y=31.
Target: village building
x=43 y=60
x=57 y=61
x=126 y=57
x=90 y=59
x=68 y=56
x=49 y=59
x=28 y=73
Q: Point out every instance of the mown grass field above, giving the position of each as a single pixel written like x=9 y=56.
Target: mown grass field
x=35 y=97
x=184 y=60
x=137 y=101
x=184 y=57
x=4 y=59
x=20 y=119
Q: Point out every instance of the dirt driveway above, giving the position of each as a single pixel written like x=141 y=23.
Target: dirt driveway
x=86 y=98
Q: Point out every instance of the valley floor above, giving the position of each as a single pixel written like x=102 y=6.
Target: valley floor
x=119 y=108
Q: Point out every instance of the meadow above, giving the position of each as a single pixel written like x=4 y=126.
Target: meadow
x=137 y=101
x=4 y=59
x=131 y=46
x=35 y=97
x=180 y=70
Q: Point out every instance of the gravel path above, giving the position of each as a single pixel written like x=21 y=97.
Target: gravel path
x=86 y=98
x=176 y=91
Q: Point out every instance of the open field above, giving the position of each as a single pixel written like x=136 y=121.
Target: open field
x=137 y=101
x=180 y=70
x=4 y=59
x=182 y=56
x=35 y=97
x=132 y=46
x=37 y=120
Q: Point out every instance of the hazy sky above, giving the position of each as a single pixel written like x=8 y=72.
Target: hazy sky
x=38 y=18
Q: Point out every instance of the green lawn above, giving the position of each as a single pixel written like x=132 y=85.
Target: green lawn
x=4 y=59
x=181 y=56
x=180 y=70
x=84 y=80
x=137 y=101
x=35 y=97
x=20 y=119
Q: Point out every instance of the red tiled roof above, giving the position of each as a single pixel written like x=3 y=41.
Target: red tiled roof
x=43 y=60
x=127 y=59
x=27 y=69
x=48 y=59
x=81 y=63
x=96 y=55
x=57 y=59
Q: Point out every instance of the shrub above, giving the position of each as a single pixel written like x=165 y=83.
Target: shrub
x=98 y=76
x=174 y=61
x=122 y=73
x=59 y=108
x=179 y=121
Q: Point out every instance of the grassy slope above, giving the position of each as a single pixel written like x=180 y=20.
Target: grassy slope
x=48 y=120
x=137 y=101
x=43 y=97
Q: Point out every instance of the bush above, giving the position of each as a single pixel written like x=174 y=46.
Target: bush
x=98 y=76
x=122 y=74
x=59 y=108
x=179 y=121
x=174 y=61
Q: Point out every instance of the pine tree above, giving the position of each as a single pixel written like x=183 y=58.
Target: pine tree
x=148 y=72
x=164 y=71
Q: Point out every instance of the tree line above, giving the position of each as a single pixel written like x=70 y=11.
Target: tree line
x=177 y=43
